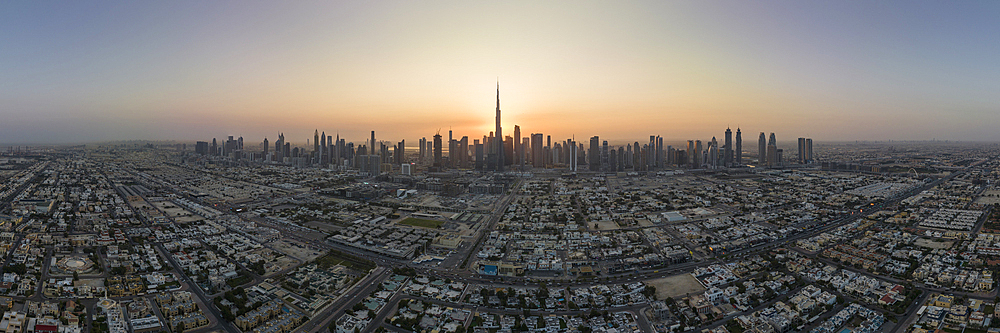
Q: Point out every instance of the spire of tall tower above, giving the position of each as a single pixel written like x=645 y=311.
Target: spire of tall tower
x=499 y=135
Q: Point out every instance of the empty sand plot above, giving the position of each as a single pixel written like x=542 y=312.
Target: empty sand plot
x=676 y=286
x=295 y=249
x=604 y=225
x=928 y=243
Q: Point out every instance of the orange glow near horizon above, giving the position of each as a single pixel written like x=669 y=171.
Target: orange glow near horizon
x=622 y=71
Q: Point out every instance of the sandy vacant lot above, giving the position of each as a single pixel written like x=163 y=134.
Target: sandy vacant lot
x=924 y=242
x=295 y=249
x=608 y=225
x=989 y=197
x=676 y=286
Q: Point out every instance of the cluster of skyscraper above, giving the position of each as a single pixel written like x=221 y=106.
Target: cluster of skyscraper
x=327 y=151
x=499 y=153
x=496 y=152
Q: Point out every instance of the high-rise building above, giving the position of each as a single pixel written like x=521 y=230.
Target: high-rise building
x=699 y=157
x=713 y=153
x=739 y=147
x=463 y=152
x=651 y=153
x=762 y=150
x=437 y=150
x=809 y=150
x=372 y=146
x=604 y=156
x=671 y=155
x=660 y=157
x=316 y=141
x=537 y=151
x=595 y=153
x=342 y=151
x=548 y=150
x=690 y=154
x=572 y=155
x=727 y=156
x=772 y=152
x=621 y=159
x=396 y=154
x=508 y=153
x=517 y=145
x=230 y=146
x=452 y=148
x=452 y=158
x=636 y=157
x=612 y=160
x=422 y=154
x=628 y=156
x=278 y=155
x=479 y=154
x=201 y=147
x=802 y=151
x=400 y=154
x=644 y=156
x=498 y=138
x=525 y=144
x=324 y=150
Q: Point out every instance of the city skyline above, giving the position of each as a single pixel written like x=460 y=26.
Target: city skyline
x=79 y=73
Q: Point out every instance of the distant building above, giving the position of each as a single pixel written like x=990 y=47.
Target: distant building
x=201 y=147
x=772 y=152
x=594 y=153
x=438 y=155
x=739 y=148
x=727 y=157
x=809 y=150
x=537 y=151
x=762 y=150
x=499 y=137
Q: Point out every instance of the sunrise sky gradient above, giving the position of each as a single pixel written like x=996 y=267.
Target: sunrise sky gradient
x=81 y=71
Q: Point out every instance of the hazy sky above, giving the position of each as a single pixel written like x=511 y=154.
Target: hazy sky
x=76 y=71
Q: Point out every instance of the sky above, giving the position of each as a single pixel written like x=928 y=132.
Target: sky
x=78 y=71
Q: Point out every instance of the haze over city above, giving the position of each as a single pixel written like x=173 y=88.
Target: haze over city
x=83 y=72
x=499 y=167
